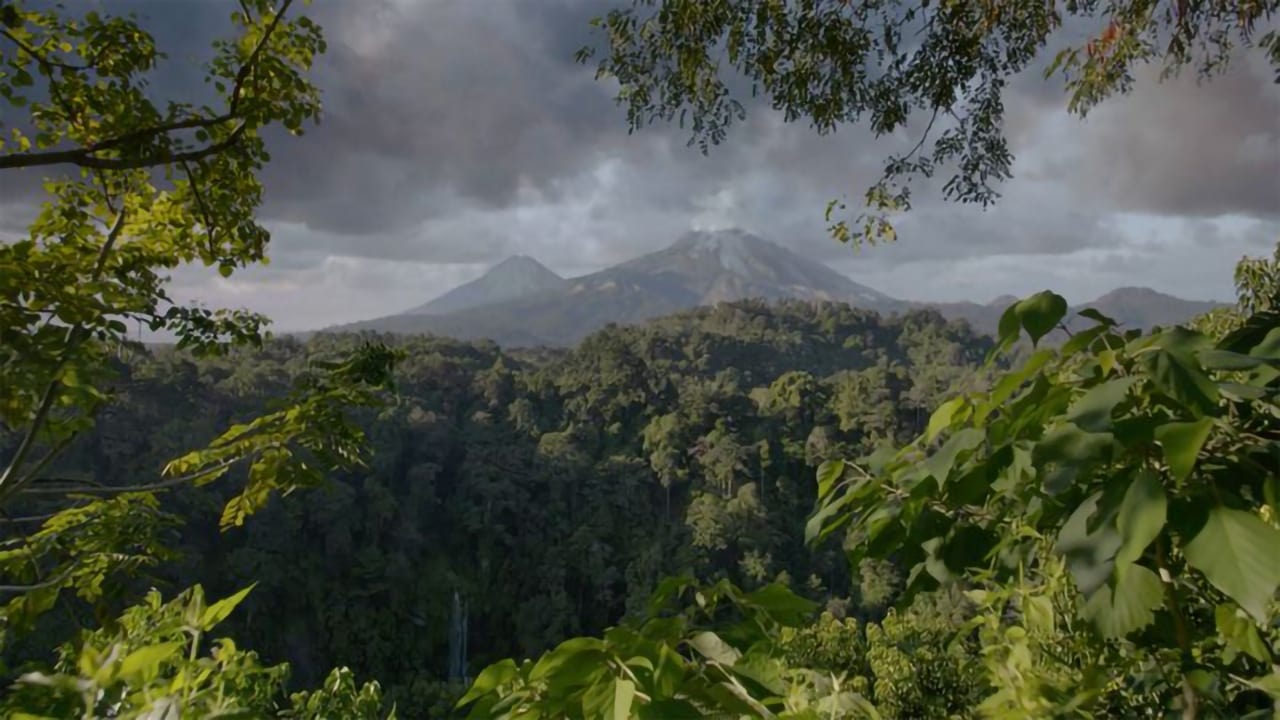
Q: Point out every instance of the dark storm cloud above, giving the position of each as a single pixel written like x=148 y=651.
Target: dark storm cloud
x=1187 y=148
x=460 y=132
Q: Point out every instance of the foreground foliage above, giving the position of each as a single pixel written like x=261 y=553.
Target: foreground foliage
x=1107 y=510
x=136 y=188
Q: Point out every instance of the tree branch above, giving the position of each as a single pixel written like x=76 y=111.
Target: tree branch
x=85 y=156
x=247 y=67
x=204 y=209
x=99 y=489
x=48 y=63
x=9 y=480
x=40 y=585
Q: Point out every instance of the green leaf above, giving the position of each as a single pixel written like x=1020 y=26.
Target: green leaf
x=1126 y=605
x=1256 y=330
x=1270 y=684
x=829 y=472
x=1240 y=555
x=1239 y=632
x=710 y=646
x=1009 y=325
x=563 y=653
x=1174 y=370
x=1226 y=360
x=1096 y=316
x=781 y=603
x=941 y=463
x=1269 y=346
x=1141 y=516
x=219 y=611
x=1069 y=444
x=1089 y=555
x=1181 y=443
x=490 y=679
x=146 y=661
x=624 y=691
x=1092 y=410
x=1041 y=313
x=1107 y=361
x=941 y=418
x=669 y=710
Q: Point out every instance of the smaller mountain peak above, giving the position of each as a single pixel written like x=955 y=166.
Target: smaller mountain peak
x=518 y=261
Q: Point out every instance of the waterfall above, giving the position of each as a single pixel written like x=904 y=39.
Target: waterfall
x=458 y=641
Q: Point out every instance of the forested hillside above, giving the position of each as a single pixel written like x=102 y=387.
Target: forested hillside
x=551 y=493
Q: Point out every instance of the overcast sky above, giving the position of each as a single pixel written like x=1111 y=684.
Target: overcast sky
x=458 y=132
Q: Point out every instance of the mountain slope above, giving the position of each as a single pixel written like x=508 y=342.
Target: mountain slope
x=517 y=276
x=700 y=268
x=1135 y=307
x=522 y=304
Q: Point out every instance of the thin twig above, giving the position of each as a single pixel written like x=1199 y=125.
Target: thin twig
x=99 y=489
x=40 y=585
x=48 y=63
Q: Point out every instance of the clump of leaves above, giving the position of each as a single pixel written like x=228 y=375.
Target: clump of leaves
x=1146 y=463
x=156 y=660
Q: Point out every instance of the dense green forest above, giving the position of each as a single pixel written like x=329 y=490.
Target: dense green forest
x=551 y=492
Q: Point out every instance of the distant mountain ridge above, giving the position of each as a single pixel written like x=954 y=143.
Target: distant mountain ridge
x=517 y=276
x=521 y=303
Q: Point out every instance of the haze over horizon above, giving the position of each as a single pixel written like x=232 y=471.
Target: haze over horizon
x=482 y=139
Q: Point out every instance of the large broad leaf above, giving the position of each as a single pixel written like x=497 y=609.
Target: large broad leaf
x=1174 y=369
x=710 y=646
x=146 y=661
x=1126 y=605
x=1041 y=313
x=1240 y=555
x=1269 y=346
x=1141 y=516
x=1069 y=444
x=624 y=691
x=490 y=679
x=574 y=649
x=1239 y=632
x=829 y=473
x=1090 y=556
x=941 y=418
x=1181 y=443
x=1254 y=332
x=941 y=463
x=1092 y=411
x=1226 y=360
x=781 y=604
x=219 y=611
